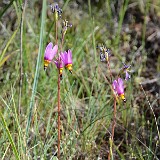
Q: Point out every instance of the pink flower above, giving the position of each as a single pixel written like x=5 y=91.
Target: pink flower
x=118 y=87
x=67 y=59
x=49 y=54
x=60 y=67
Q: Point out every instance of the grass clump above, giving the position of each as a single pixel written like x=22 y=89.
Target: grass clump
x=130 y=30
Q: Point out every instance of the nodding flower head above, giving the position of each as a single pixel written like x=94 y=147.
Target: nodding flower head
x=49 y=54
x=59 y=65
x=104 y=53
x=57 y=10
x=67 y=59
x=118 y=87
x=126 y=70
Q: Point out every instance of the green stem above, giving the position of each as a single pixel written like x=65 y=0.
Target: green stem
x=21 y=57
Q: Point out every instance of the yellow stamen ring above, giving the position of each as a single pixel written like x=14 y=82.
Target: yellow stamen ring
x=60 y=71
x=46 y=63
x=122 y=96
x=69 y=67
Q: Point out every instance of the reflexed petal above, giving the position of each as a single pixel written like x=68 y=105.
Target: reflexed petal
x=127 y=76
x=69 y=56
x=120 y=86
x=55 y=49
x=49 y=52
x=64 y=57
x=114 y=84
x=56 y=63
x=120 y=82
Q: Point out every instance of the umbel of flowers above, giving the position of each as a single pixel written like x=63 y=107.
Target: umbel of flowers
x=118 y=83
x=117 y=87
x=60 y=58
x=64 y=58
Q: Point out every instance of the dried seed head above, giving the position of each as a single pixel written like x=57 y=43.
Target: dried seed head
x=125 y=69
x=65 y=26
x=57 y=10
x=104 y=53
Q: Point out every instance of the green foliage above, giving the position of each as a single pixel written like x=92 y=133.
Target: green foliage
x=86 y=96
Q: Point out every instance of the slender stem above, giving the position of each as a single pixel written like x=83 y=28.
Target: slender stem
x=114 y=118
x=109 y=155
x=59 y=96
x=56 y=26
x=59 y=120
x=21 y=58
x=62 y=40
x=108 y=64
x=114 y=115
x=113 y=128
x=151 y=110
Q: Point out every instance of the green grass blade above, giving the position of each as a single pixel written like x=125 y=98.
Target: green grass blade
x=122 y=13
x=7 y=45
x=9 y=136
x=37 y=65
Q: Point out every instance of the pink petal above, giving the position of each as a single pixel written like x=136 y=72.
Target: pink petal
x=69 y=56
x=127 y=76
x=49 y=52
x=64 y=57
x=56 y=63
x=114 y=84
x=120 y=86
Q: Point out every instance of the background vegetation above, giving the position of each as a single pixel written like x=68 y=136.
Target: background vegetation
x=130 y=28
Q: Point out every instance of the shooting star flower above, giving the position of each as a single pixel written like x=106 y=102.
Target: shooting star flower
x=67 y=59
x=59 y=65
x=118 y=87
x=49 y=54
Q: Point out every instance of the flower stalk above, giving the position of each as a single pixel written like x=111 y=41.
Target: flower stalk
x=59 y=114
x=59 y=71
x=63 y=59
x=117 y=87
